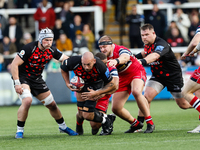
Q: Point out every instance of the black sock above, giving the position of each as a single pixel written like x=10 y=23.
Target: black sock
x=20 y=123
x=60 y=121
x=140 y=119
x=98 y=117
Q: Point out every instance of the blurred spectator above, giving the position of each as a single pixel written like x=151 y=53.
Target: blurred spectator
x=194 y=12
x=14 y=32
x=135 y=20
x=103 y=5
x=168 y=32
x=23 y=4
x=79 y=44
x=65 y=14
x=86 y=16
x=157 y=19
x=3 y=22
x=7 y=48
x=194 y=24
x=76 y=25
x=27 y=38
x=58 y=29
x=176 y=39
x=183 y=22
x=64 y=43
x=45 y=15
x=71 y=2
x=3 y=4
x=67 y=17
x=89 y=36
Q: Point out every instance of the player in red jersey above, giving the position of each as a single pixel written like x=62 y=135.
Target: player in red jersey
x=132 y=77
x=102 y=102
x=26 y=70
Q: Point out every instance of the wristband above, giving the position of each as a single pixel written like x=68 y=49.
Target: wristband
x=139 y=56
x=144 y=62
x=117 y=60
x=17 y=82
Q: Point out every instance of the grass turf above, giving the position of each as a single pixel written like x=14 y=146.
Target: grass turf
x=41 y=131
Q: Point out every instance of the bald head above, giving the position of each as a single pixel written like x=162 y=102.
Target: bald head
x=87 y=55
x=88 y=61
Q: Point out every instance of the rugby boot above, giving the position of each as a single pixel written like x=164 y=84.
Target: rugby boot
x=68 y=131
x=19 y=135
x=112 y=117
x=107 y=127
x=79 y=129
x=150 y=128
x=134 y=128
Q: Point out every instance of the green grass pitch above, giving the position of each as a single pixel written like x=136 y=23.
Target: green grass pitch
x=41 y=131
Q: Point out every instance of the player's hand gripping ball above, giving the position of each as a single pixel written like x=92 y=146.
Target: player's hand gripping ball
x=77 y=82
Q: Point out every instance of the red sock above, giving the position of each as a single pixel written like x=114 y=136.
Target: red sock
x=195 y=102
x=148 y=120
x=79 y=124
x=135 y=122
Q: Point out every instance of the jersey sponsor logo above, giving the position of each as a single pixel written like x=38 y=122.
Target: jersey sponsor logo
x=159 y=48
x=107 y=73
x=155 y=63
x=22 y=52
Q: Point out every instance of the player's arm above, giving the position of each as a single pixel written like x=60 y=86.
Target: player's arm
x=149 y=58
x=122 y=59
x=65 y=75
x=17 y=61
x=192 y=45
x=109 y=88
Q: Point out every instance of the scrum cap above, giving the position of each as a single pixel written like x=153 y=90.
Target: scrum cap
x=45 y=33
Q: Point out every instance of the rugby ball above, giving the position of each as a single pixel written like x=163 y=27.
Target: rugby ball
x=77 y=82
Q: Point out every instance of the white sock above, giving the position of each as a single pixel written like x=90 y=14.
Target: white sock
x=62 y=125
x=20 y=129
x=104 y=120
x=105 y=115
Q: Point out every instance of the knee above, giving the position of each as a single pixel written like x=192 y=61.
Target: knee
x=136 y=92
x=183 y=104
x=27 y=102
x=115 y=110
x=148 y=98
x=52 y=106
